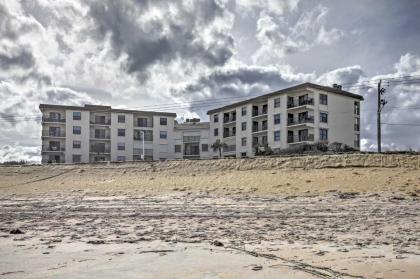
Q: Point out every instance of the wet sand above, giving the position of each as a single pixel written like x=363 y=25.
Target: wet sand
x=112 y=221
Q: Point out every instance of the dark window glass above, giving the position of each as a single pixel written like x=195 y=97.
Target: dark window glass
x=204 y=147
x=276 y=135
x=121 y=146
x=121 y=118
x=77 y=144
x=216 y=132
x=323 y=117
x=277 y=102
x=243 y=126
x=323 y=134
x=77 y=115
x=323 y=99
x=77 y=130
x=163 y=134
x=277 y=118
x=243 y=111
x=163 y=121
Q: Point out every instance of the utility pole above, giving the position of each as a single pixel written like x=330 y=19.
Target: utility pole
x=381 y=104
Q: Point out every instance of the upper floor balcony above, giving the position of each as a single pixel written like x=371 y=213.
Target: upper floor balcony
x=52 y=148
x=259 y=110
x=300 y=120
x=49 y=119
x=298 y=103
x=54 y=133
x=143 y=122
x=300 y=138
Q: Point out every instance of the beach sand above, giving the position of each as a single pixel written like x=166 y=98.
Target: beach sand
x=343 y=216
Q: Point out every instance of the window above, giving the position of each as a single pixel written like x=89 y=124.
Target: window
x=323 y=134
x=277 y=118
x=77 y=144
x=77 y=130
x=121 y=132
x=204 y=147
x=163 y=121
x=121 y=158
x=76 y=158
x=142 y=122
x=77 y=115
x=121 y=118
x=356 y=124
x=243 y=126
x=243 y=110
x=277 y=102
x=276 y=135
x=356 y=140
x=177 y=148
x=216 y=118
x=323 y=99
x=357 y=108
x=216 y=132
x=323 y=117
x=243 y=141
x=163 y=134
x=121 y=146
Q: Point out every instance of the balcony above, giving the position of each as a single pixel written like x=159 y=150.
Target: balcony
x=259 y=112
x=300 y=103
x=263 y=128
x=300 y=120
x=229 y=149
x=101 y=122
x=143 y=123
x=101 y=137
x=53 y=149
x=229 y=134
x=300 y=138
x=53 y=120
x=54 y=134
x=99 y=149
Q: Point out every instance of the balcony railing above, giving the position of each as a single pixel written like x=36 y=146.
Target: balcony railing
x=53 y=148
x=259 y=112
x=300 y=103
x=58 y=134
x=301 y=138
x=147 y=124
x=229 y=119
x=227 y=135
x=259 y=129
x=229 y=148
x=97 y=149
x=101 y=136
x=53 y=119
x=106 y=122
x=301 y=120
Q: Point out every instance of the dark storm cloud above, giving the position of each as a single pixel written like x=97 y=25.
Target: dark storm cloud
x=23 y=58
x=161 y=40
x=240 y=81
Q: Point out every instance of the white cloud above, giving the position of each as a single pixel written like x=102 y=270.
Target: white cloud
x=279 y=38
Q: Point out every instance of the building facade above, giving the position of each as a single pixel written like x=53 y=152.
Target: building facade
x=192 y=140
x=72 y=134
x=305 y=113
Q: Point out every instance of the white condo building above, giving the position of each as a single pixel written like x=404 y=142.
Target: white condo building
x=305 y=113
x=72 y=134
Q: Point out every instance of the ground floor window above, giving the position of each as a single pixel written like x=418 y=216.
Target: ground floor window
x=77 y=158
x=323 y=134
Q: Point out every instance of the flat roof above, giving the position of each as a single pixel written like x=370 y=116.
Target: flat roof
x=97 y=108
x=192 y=125
x=287 y=90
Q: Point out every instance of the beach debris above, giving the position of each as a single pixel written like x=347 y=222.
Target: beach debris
x=96 y=242
x=347 y=195
x=217 y=243
x=16 y=231
x=257 y=267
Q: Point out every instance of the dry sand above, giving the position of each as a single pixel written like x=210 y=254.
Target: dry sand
x=343 y=216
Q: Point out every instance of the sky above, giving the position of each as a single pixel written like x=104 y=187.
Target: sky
x=189 y=56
